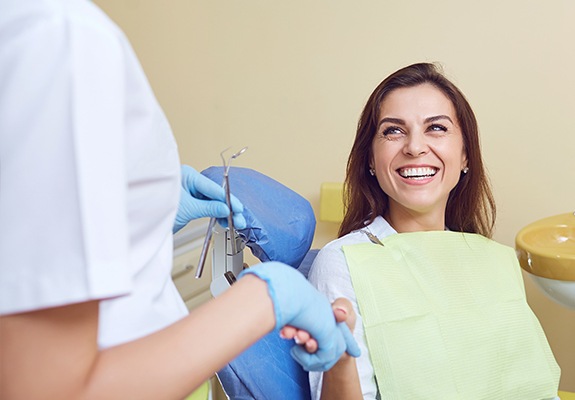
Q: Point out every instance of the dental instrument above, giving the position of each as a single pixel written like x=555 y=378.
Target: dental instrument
x=212 y=223
x=228 y=194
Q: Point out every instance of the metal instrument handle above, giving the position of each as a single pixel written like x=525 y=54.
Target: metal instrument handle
x=205 y=248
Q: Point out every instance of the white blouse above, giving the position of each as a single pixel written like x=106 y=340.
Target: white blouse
x=330 y=275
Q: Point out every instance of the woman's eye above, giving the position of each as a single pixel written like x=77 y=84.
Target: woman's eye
x=392 y=131
x=437 y=128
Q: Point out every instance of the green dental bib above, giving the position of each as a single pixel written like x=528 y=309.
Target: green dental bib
x=445 y=317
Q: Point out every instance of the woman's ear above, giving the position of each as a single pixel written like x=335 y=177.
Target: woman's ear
x=371 y=169
x=464 y=162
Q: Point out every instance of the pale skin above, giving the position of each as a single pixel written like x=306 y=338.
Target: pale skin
x=418 y=156
x=418 y=129
x=52 y=353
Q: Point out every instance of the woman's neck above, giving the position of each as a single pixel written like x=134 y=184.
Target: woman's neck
x=408 y=221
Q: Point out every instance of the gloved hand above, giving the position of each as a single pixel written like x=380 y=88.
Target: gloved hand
x=300 y=305
x=202 y=197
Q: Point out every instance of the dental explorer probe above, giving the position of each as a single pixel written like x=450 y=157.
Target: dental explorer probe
x=226 y=186
x=228 y=196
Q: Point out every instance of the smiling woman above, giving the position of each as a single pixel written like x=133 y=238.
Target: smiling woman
x=417 y=155
x=441 y=309
x=420 y=112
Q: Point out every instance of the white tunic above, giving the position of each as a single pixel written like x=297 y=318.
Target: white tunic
x=330 y=275
x=89 y=171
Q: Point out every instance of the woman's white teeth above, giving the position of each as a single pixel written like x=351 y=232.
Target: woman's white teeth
x=417 y=173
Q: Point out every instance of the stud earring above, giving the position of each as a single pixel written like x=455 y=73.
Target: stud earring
x=465 y=170
x=371 y=171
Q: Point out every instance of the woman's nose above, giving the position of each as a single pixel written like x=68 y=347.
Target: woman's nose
x=416 y=145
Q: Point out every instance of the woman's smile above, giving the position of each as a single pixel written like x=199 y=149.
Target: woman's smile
x=415 y=174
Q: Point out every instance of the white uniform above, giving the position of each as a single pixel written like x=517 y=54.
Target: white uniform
x=89 y=171
x=330 y=275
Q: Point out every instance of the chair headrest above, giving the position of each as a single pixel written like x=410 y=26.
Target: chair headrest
x=280 y=222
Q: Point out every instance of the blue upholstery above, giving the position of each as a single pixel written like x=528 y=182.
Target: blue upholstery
x=280 y=222
x=280 y=227
x=267 y=370
x=307 y=262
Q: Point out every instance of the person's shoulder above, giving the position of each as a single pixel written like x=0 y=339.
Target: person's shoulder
x=90 y=15
x=53 y=10
x=348 y=239
x=333 y=250
x=332 y=253
x=47 y=18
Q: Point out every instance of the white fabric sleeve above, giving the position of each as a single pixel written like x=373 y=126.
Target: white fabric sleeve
x=63 y=231
x=330 y=275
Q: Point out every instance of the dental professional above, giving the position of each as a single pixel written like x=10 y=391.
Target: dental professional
x=90 y=183
x=439 y=309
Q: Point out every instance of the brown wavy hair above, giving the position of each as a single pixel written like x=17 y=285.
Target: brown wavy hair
x=470 y=206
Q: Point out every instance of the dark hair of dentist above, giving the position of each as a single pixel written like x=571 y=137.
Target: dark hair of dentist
x=470 y=207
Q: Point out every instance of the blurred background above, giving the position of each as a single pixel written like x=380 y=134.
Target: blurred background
x=289 y=79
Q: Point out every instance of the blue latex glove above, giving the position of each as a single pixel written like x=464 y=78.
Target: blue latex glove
x=299 y=304
x=202 y=197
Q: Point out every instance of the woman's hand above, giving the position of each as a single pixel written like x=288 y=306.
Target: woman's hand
x=342 y=380
x=343 y=312
x=310 y=311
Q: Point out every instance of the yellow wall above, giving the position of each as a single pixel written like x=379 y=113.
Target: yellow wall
x=288 y=79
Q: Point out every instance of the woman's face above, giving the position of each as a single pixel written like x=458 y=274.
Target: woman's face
x=418 y=151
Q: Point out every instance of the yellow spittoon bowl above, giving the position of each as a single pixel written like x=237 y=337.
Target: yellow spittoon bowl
x=566 y=395
x=546 y=250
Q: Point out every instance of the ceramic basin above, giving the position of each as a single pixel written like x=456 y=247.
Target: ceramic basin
x=546 y=250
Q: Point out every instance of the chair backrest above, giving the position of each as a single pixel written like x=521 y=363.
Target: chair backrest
x=280 y=227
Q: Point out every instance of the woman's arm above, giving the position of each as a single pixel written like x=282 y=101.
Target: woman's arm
x=52 y=353
x=56 y=348
x=342 y=380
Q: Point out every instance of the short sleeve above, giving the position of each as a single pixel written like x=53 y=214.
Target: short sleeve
x=63 y=222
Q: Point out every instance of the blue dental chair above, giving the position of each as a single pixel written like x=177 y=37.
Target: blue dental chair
x=280 y=227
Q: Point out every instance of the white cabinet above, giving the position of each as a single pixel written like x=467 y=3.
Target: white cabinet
x=187 y=249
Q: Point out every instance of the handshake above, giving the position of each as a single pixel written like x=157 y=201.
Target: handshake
x=302 y=312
